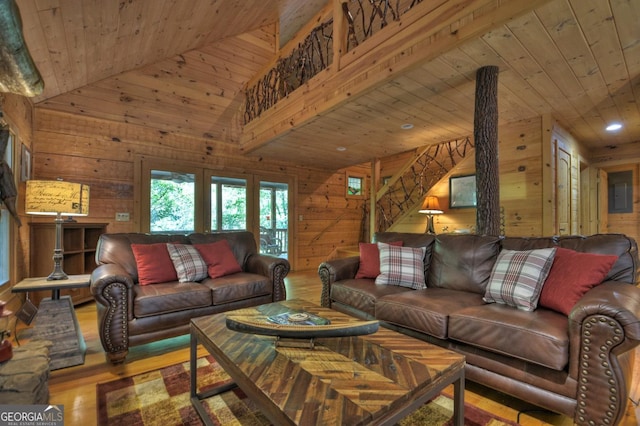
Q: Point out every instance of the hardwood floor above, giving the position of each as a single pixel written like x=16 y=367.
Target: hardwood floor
x=74 y=387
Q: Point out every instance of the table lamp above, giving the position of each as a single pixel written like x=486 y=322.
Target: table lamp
x=430 y=206
x=55 y=197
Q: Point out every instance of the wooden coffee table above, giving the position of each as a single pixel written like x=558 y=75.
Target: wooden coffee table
x=372 y=379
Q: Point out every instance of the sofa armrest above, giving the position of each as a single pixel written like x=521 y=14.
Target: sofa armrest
x=336 y=270
x=604 y=328
x=112 y=288
x=273 y=267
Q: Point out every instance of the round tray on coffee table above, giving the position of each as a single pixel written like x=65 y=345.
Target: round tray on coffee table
x=297 y=324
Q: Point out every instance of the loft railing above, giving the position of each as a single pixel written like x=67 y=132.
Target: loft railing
x=310 y=57
x=409 y=186
x=366 y=17
x=315 y=53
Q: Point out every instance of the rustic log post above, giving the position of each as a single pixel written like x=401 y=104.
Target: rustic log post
x=18 y=73
x=485 y=134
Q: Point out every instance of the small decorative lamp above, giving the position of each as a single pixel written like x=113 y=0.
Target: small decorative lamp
x=51 y=197
x=430 y=206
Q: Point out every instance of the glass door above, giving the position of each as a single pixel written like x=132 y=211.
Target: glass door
x=274 y=218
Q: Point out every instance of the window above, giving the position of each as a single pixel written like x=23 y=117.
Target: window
x=5 y=224
x=181 y=198
x=228 y=204
x=172 y=206
x=355 y=185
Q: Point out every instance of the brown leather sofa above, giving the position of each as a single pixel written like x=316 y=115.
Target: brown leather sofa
x=579 y=366
x=130 y=314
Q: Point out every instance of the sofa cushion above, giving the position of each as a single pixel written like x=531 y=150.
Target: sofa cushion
x=238 y=286
x=426 y=310
x=572 y=275
x=362 y=293
x=369 y=266
x=168 y=297
x=463 y=262
x=518 y=276
x=409 y=239
x=242 y=243
x=219 y=258
x=188 y=262
x=401 y=266
x=153 y=263
x=540 y=336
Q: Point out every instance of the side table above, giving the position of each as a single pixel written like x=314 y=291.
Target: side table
x=56 y=319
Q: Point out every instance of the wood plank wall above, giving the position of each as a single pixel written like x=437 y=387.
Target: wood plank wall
x=103 y=153
x=17 y=111
x=616 y=159
x=520 y=179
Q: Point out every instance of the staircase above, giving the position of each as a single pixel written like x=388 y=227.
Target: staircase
x=408 y=187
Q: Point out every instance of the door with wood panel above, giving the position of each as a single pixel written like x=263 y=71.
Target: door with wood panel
x=563 y=192
x=603 y=201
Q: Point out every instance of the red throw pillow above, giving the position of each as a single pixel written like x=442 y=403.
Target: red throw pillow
x=154 y=263
x=370 y=259
x=219 y=258
x=572 y=274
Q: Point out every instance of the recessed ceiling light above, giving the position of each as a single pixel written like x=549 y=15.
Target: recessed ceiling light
x=613 y=127
x=341 y=148
x=407 y=126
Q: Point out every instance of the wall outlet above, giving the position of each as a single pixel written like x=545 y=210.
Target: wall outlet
x=122 y=217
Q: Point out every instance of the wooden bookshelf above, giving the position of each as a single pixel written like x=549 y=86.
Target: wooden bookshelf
x=79 y=242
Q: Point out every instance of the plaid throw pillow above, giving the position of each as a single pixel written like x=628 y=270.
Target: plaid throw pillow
x=188 y=262
x=401 y=266
x=517 y=277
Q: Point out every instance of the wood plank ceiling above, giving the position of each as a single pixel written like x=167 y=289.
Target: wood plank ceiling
x=181 y=67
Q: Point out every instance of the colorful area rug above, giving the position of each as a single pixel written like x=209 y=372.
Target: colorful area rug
x=161 y=397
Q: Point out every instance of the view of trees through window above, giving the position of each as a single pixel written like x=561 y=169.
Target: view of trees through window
x=172 y=202
x=274 y=205
x=228 y=204
x=173 y=207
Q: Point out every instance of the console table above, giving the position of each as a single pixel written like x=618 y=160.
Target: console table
x=56 y=319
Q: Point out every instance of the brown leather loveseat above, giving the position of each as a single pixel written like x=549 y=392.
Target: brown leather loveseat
x=130 y=314
x=579 y=364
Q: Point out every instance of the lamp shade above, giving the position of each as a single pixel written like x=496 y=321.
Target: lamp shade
x=430 y=205
x=52 y=197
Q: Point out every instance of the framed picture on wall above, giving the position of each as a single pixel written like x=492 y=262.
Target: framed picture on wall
x=462 y=191
x=25 y=164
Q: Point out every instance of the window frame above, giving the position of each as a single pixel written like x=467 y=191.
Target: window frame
x=142 y=170
x=144 y=187
x=11 y=157
x=363 y=186
x=203 y=175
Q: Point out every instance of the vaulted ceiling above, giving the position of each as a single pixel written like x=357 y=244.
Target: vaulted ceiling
x=181 y=66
